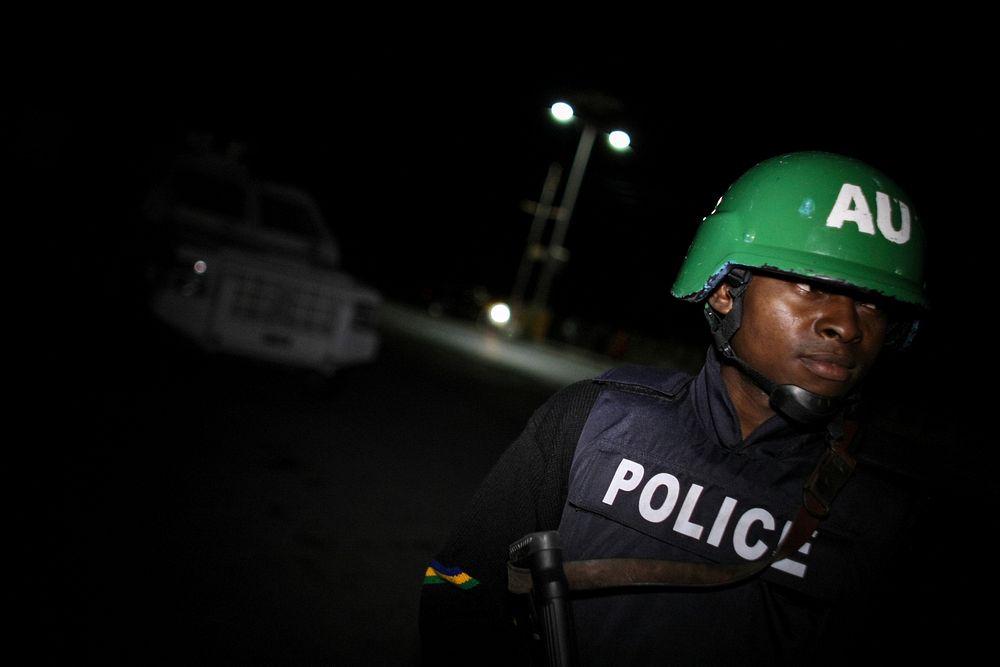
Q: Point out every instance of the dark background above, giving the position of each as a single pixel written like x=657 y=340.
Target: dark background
x=421 y=153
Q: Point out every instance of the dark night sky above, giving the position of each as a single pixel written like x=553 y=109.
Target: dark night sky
x=421 y=155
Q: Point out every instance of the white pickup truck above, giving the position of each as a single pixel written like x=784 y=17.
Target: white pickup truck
x=250 y=267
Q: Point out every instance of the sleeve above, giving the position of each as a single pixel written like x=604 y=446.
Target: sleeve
x=466 y=612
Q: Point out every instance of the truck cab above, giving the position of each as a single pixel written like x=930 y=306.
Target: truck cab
x=250 y=267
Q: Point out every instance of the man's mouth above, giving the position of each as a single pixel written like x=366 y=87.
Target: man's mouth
x=834 y=367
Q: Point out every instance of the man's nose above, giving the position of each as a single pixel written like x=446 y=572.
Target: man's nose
x=839 y=319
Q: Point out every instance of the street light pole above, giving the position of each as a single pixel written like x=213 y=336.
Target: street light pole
x=557 y=253
x=537 y=316
x=533 y=248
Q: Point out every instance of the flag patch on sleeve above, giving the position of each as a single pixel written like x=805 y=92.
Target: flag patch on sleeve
x=439 y=574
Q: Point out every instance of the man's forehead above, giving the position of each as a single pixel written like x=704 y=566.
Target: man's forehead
x=824 y=284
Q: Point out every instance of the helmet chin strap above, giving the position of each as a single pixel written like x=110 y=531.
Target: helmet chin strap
x=792 y=401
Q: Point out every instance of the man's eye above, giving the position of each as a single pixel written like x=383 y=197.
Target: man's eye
x=870 y=305
x=805 y=287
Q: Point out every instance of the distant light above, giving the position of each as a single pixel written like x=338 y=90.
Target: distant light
x=619 y=140
x=200 y=266
x=561 y=111
x=499 y=313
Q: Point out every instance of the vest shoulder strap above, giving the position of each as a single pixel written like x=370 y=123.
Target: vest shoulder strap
x=664 y=383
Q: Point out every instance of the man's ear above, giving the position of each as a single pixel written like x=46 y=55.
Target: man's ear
x=721 y=299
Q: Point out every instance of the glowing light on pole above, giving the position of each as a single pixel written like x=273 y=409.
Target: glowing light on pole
x=562 y=112
x=618 y=140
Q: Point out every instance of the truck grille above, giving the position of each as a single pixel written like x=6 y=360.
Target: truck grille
x=296 y=306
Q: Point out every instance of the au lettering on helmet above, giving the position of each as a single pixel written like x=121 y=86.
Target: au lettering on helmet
x=852 y=206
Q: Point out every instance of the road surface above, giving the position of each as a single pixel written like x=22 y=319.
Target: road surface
x=211 y=510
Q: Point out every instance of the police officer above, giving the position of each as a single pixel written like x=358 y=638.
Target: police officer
x=809 y=267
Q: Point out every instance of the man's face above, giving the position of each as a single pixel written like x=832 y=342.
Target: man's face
x=807 y=334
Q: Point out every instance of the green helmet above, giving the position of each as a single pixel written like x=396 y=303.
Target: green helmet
x=817 y=215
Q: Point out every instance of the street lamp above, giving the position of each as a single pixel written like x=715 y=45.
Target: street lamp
x=557 y=254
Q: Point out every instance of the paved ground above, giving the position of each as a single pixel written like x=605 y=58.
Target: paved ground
x=207 y=510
